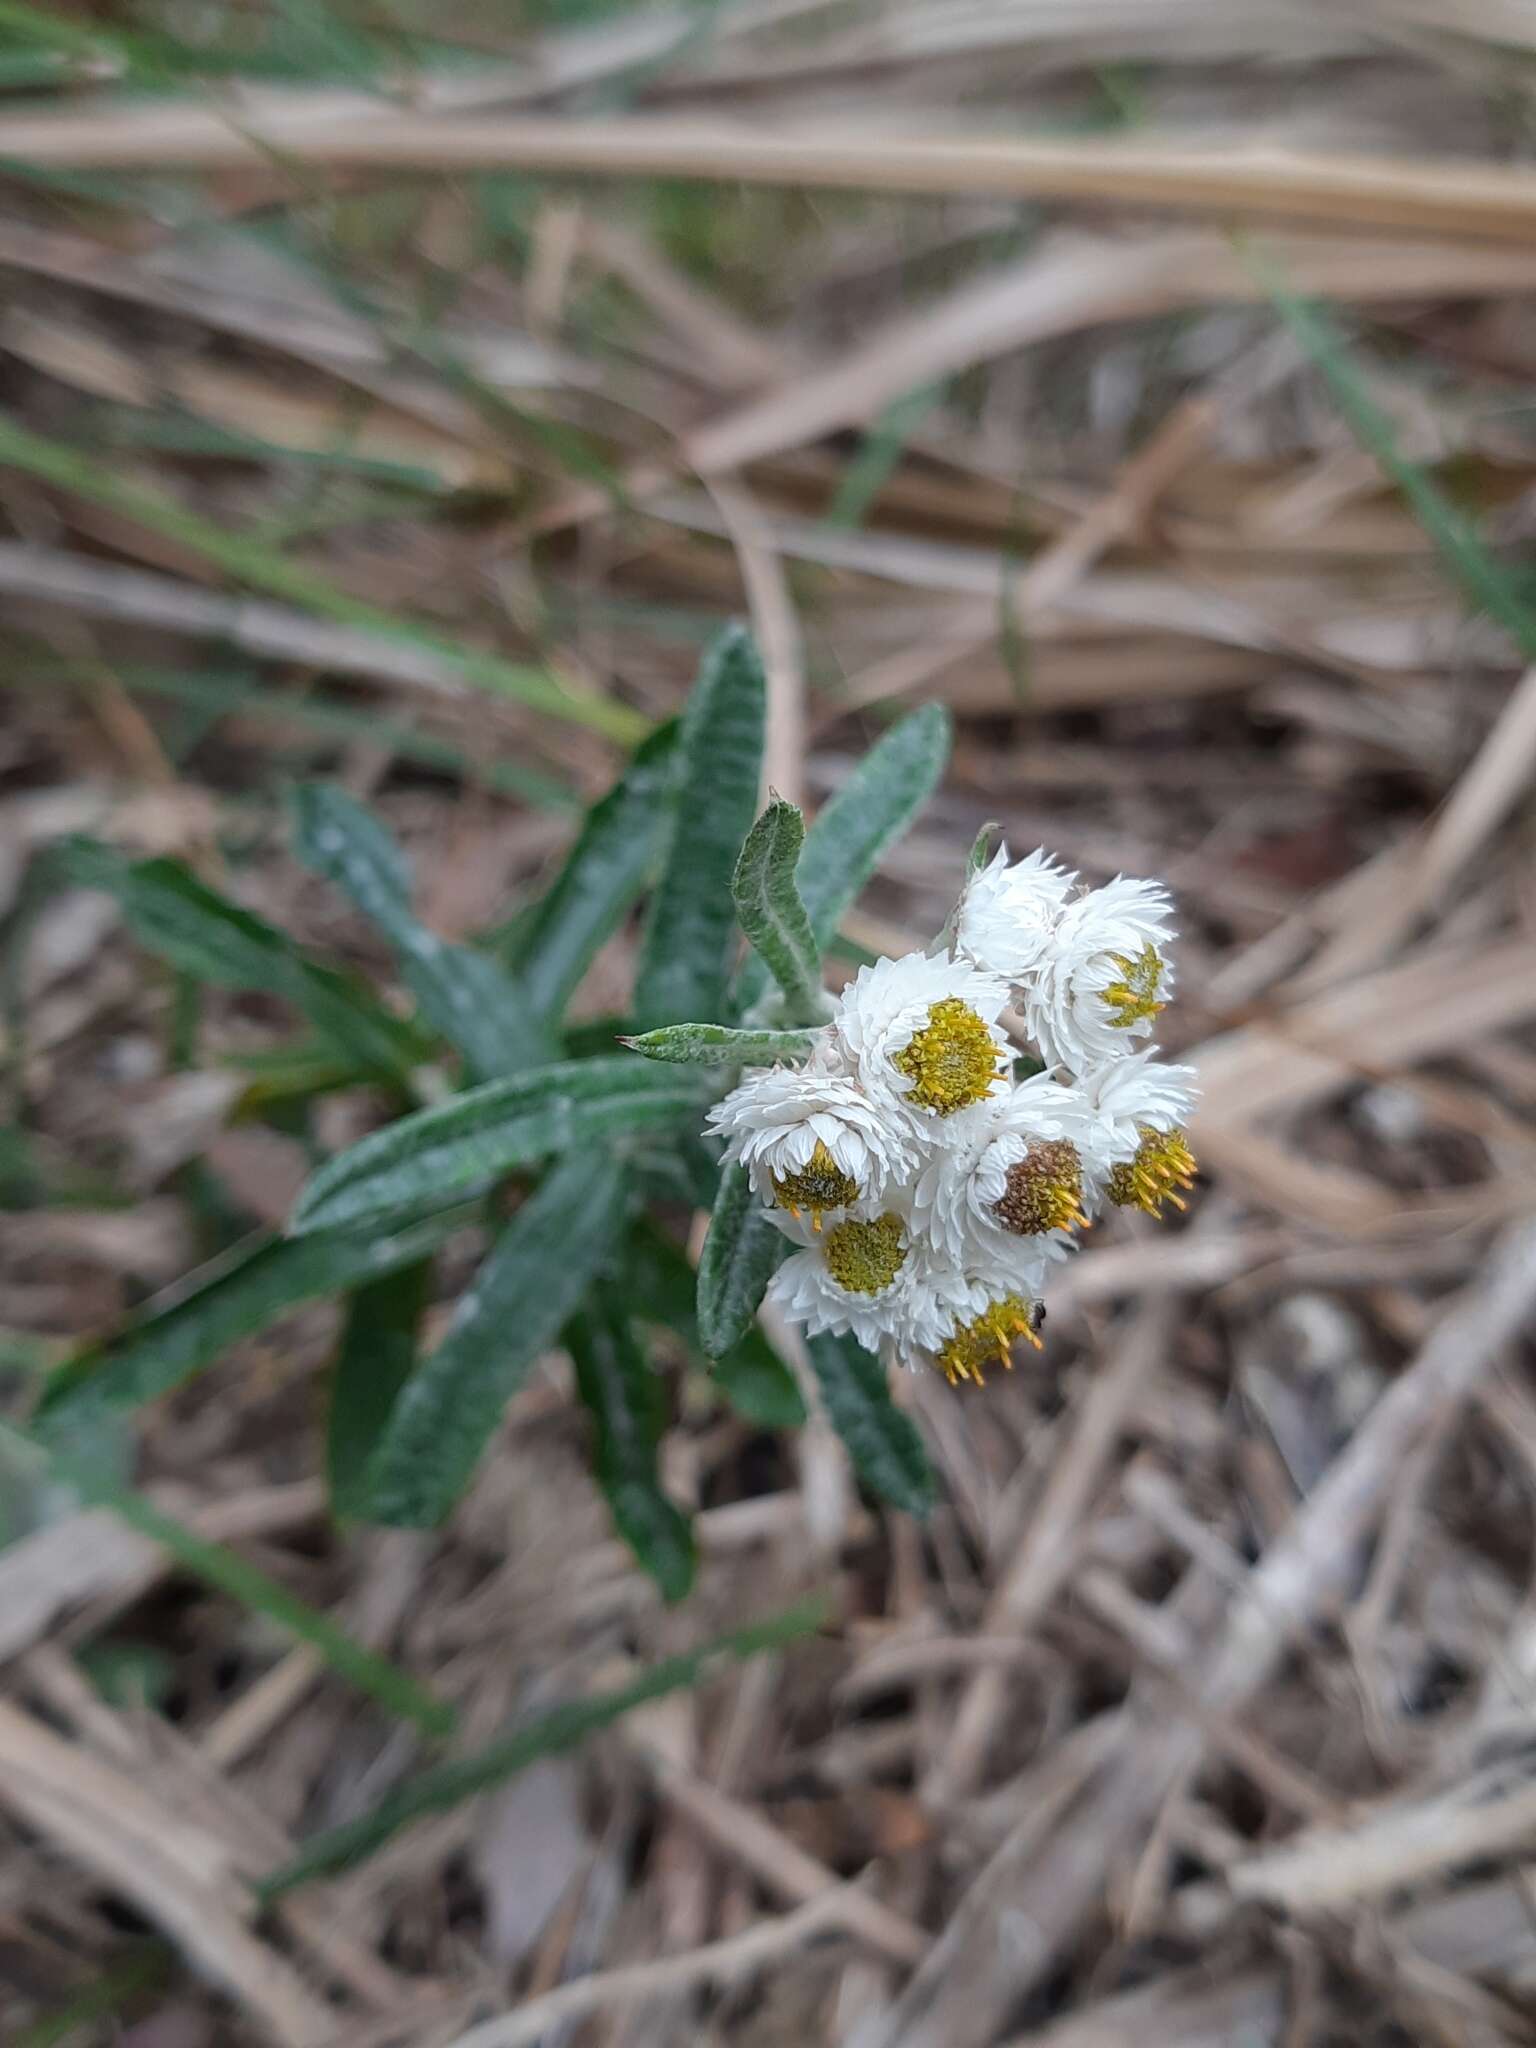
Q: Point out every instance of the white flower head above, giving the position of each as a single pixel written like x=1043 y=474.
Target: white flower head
x=1138 y=1156
x=1008 y=912
x=1011 y=1178
x=984 y=1315
x=866 y=1277
x=921 y=1033
x=811 y=1138
x=1105 y=976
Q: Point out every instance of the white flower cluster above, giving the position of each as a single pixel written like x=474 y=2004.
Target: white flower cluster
x=928 y=1191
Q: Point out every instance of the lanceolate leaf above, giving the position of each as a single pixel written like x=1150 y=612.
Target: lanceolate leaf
x=771 y=912
x=886 y=1450
x=447 y=1785
x=473 y=1001
x=663 y=1289
x=628 y=1406
x=455 y=1148
x=233 y=1298
x=620 y=847
x=717 y=1045
x=528 y=1285
x=211 y=939
x=686 y=948
x=875 y=806
x=741 y=1254
x=374 y=1360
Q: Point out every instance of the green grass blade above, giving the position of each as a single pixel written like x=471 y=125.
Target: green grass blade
x=886 y=1450
x=1487 y=583
x=717 y=1045
x=741 y=1254
x=235 y=1297
x=459 y=1147
x=262 y=568
x=447 y=1785
x=527 y=1287
x=874 y=806
x=620 y=847
x=374 y=1359
x=470 y=999
x=663 y=1289
x=245 y=1582
x=685 y=949
x=627 y=1403
x=253 y=1588
x=773 y=916
x=220 y=691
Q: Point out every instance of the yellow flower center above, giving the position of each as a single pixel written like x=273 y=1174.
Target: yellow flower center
x=1161 y=1163
x=1044 y=1190
x=1134 y=996
x=991 y=1336
x=866 y=1257
x=952 y=1061
x=818 y=1185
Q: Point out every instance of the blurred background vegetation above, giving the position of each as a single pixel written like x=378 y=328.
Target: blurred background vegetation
x=404 y=397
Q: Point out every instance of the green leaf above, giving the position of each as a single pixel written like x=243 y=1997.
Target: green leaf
x=374 y=1359
x=886 y=1450
x=233 y=1297
x=741 y=1254
x=663 y=1289
x=1482 y=576
x=527 y=1286
x=628 y=1406
x=447 y=1785
x=208 y=937
x=620 y=847
x=772 y=914
x=717 y=1045
x=685 y=950
x=981 y=848
x=458 y=1148
x=473 y=1001
x=875 y=806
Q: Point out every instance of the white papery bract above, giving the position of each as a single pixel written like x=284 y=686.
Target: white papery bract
x=1138 y=1107
x=921 y=1034
x=1008 y=912
x=811 y=1132
x=1009 y=1181
x=1105 y=976
x=867 y=1277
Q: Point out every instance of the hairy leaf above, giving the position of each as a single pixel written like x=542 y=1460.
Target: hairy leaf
x=685 y=951
x=620 y=847
x=471 y=999
x=742 y=1252
x=234 y=1297
x=374 y=1359
x=874 y=806
x=886 y=1450
x=620 y=1387
x=527 y=1286
x=717 y=1045
x=459 y=1147
x=663 y=1289
x=772 y=914
x=211 y=939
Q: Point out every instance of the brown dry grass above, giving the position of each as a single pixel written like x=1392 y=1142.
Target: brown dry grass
x=1200 y=1712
